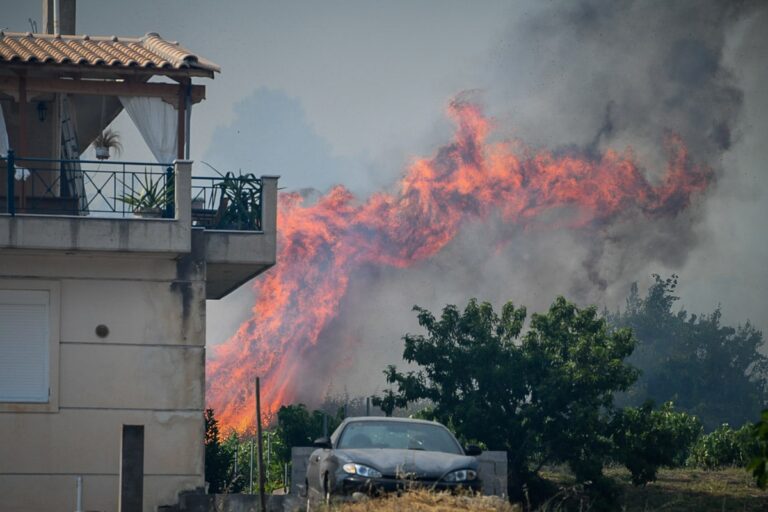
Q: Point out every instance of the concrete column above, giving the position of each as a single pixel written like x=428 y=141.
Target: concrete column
x=67 y=12
x=131 y=495
x=183 y=188
x=269 y=204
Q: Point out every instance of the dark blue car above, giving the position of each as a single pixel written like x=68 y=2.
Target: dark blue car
x=371 y=455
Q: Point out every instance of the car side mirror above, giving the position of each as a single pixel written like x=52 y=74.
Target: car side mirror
x=473 y=450
x=322 y=442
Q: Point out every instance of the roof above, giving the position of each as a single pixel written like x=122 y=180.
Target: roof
x=150 y=52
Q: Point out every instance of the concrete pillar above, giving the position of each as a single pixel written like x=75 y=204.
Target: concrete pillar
x=269 y=204
x=183 y=189
x=67 y=16
x=131 y=496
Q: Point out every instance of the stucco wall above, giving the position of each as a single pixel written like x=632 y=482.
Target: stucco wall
x=149 y=370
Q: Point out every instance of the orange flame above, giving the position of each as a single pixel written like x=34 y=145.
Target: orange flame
x=321 y=244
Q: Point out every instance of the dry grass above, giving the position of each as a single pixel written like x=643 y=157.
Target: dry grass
x=676 y=490
x=691 y=490
x=425 y=501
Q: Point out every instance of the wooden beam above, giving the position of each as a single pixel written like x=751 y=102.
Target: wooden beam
x=168 y=92
x=107 y=72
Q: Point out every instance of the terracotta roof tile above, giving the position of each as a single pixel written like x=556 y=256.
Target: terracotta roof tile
x=150 y=51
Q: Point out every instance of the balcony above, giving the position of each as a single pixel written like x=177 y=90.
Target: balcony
x=135 y=207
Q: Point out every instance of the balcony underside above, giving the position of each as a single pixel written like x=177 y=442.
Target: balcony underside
x=232 y=258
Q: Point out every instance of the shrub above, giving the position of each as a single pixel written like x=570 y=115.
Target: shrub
x=646 y=439
x=724 y=447
x=759 y=464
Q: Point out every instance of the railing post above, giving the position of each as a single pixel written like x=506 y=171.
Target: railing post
x=269 y=204
x=11 y=189
x=170 y=193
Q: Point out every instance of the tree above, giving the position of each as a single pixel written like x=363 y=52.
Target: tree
x=296 y=426
x=544 y=397
x=216 y=462
x=646 y=439
x=712 y=371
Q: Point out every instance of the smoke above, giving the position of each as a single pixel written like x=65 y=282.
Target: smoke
x=582 y=77
x=604 y=87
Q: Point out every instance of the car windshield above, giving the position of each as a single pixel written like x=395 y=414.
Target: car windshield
x=398 y=435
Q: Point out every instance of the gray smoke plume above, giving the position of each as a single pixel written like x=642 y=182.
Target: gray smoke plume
x=586 y=77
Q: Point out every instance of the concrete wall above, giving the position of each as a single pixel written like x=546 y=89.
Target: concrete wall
x=492 y=470
x=149 y=370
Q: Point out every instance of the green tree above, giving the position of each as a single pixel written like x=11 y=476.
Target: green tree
x=712 y=371
x=544 y=397
x=216 y=463
x=297 y=426
x=646 y=439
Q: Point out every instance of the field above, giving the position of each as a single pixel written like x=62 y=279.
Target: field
x=682 y=490
x=694 y=490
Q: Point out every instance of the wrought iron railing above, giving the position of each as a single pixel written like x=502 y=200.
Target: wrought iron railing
x=87 y=187
x=126 y=189
x=227 y=202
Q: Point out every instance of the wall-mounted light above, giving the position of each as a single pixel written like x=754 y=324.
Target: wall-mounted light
x=42 y=110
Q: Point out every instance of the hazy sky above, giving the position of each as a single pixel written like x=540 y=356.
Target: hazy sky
x=349 y=92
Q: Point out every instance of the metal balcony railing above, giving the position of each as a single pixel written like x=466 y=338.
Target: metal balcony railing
x=227 y=202
x=100 y=188
x=86 y=187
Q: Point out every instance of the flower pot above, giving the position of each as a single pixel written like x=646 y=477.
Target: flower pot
x=102 y=152
x=148 y=213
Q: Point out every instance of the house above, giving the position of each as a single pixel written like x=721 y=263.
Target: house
x=103 y=289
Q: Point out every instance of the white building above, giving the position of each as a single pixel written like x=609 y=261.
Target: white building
x=102 y=310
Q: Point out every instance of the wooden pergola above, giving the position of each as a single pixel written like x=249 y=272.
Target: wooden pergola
x=32 y=65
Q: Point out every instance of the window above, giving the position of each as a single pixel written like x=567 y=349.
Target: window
x=25 y=345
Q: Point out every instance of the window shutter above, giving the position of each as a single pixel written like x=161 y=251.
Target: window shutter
x=24 y=346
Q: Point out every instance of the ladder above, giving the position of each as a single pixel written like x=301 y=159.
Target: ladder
x=72 y=183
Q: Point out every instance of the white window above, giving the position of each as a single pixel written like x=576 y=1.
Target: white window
x=25 y=345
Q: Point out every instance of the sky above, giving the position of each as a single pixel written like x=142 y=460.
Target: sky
x=343 y=92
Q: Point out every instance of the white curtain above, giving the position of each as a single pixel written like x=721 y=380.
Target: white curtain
x=157 y=122
x=3 y=135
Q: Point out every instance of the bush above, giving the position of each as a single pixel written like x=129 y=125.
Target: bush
x=724 y=447
x=759 y=464
x=646 y=439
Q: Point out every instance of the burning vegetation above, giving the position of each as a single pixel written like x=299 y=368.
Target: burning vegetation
x=470 y=179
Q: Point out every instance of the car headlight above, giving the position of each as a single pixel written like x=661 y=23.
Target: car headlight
x=462 y=475
x=359 y=469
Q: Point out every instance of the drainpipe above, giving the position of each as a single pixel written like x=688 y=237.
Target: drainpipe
x=79 y=506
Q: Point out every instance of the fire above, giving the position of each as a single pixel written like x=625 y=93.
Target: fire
x=321 y=244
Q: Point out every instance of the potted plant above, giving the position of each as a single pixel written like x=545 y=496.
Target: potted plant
x=150 y=197
x=106 y=140
x=242 y=197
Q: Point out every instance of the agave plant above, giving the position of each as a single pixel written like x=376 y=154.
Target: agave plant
x=148 y=194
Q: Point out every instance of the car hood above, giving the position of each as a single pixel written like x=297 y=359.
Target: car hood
x=413 y=463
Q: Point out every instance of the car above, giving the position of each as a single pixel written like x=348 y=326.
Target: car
x=371 y=455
